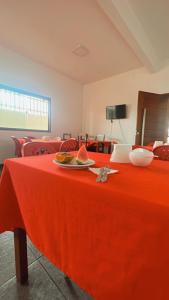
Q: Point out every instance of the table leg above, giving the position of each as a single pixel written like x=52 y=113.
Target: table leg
x=68 y=280
x=109 y=149
x=21 y=259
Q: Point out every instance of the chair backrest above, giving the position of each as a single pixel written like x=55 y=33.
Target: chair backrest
x=27 y=139
x=69 y=145
x=162 y=152
x=100 y=137
x=18 y=145
x=37 y=148
x=67 y=136
x=82 y=138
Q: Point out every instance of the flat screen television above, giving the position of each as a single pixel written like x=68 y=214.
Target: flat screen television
x=116 y=112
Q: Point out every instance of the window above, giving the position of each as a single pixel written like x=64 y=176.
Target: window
x=23 y=110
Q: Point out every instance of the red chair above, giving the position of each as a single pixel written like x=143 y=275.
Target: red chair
x=162 y=152
x=69 y=145
x=29 y=138
x=37 y=148
x=67 y=136
x=18 y=145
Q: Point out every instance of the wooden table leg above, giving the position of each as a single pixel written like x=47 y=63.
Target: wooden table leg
x=109 y=149
x=21 y=259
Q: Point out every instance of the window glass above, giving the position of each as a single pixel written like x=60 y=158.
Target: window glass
x=23 y=110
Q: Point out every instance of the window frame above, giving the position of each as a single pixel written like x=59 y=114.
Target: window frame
x=23 y=92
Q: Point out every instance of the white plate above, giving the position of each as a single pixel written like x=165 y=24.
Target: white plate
x=73 y=164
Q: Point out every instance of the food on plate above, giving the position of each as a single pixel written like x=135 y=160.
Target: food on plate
x=82 y=156
x=64 y=157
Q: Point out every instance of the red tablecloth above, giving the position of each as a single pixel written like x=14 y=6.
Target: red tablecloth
x=150 y=148
x=47 y=141
x=33 y=146
x=112 y=239
x=57 y=143
x=95 y=142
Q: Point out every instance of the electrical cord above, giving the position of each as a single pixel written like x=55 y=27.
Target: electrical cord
x=122 y=133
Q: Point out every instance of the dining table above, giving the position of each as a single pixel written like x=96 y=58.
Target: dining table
x=146 y=147
x=54 y=142
x=111 y=238
x=40 y=145
x=47 y=140
x=106 y=144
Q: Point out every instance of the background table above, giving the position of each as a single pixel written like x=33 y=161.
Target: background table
x=55 y=143
x=105 y=145
x=112 y=239
x=39 y=147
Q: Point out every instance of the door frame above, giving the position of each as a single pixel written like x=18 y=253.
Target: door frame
x=140 y=112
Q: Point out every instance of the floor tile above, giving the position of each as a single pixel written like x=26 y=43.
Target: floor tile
x=34 y=250
x=6 y=235
x=70 y=290
x=7 y=260
x=49 y=284
x=40 y=287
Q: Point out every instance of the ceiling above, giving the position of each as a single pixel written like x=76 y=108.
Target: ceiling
x=153 y=16
x=120 y=35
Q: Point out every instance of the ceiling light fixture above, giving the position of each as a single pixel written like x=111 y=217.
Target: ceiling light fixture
x=80 y=50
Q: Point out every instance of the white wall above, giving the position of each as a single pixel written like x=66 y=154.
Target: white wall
x=120 y=89
x=66 y=94
x=20 y=72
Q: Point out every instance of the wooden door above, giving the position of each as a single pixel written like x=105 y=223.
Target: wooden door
x=152 y=118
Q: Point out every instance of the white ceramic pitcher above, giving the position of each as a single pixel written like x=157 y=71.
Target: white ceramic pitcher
x=121 y=153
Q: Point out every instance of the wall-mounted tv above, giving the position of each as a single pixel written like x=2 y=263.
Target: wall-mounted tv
x=116 y=112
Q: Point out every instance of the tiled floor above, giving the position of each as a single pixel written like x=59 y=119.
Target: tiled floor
x=45 y=281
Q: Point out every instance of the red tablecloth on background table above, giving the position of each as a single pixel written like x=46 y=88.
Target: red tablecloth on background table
x=95 y=142
x=47 y=141
x=112 y=238
x=105 y=145
x=54 y=143
x=150 y=148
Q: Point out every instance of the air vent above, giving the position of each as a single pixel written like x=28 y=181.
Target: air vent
x=80 y=50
